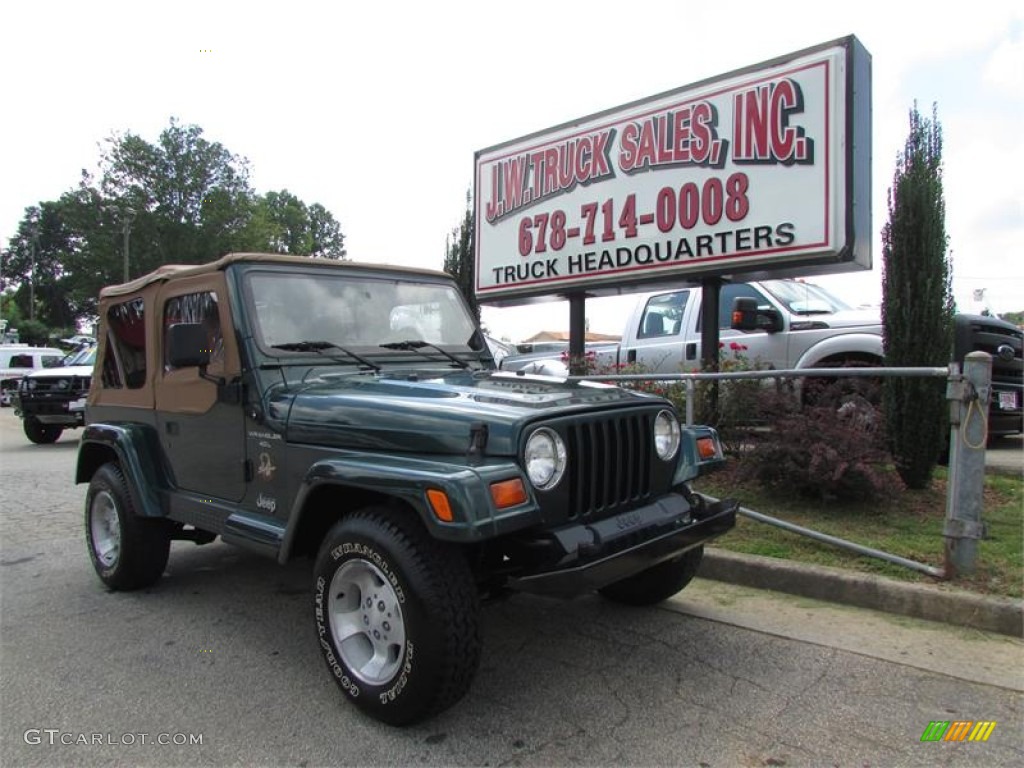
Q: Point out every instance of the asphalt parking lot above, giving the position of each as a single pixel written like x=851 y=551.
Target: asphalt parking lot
x=223 y=650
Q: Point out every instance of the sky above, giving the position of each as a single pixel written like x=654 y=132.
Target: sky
x=375 y=110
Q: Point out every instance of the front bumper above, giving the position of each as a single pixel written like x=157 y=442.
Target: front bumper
x=67 y=413
x=593 y=555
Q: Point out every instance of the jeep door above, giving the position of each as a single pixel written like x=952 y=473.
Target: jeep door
x=202 y=438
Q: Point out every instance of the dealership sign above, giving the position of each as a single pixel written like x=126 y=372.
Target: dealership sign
x=764 y=171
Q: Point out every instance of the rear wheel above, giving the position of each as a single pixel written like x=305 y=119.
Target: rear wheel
x=397 y=616
x=41 y=433
x=657 y=583
x=128 y=552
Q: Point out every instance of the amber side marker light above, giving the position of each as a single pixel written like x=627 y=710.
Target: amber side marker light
x=439 y=503
x=706 y=448
x=508 y=493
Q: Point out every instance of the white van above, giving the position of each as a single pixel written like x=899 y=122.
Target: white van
x=16 y=360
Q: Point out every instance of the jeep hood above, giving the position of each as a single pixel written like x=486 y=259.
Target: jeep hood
x=433 y=414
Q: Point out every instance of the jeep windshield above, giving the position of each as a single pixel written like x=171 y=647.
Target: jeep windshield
x=360 y=317
x=805 y=298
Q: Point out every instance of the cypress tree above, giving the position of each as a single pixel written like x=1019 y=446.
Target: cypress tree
x=458 y=258
x=917 y=302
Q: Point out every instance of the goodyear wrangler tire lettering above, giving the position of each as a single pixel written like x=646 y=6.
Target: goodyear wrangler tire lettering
x=396 y=615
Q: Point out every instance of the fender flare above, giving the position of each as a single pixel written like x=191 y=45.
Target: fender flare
x=131 y=445
x=475 y=516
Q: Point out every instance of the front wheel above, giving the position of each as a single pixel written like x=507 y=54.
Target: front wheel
x=397 y=616
x=40 y=433
x=657 y=583
x=128 y=552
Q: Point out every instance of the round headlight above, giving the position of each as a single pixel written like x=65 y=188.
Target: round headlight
x=63 y=384
x=666 y=435
x=30 y=383
x=545 y=458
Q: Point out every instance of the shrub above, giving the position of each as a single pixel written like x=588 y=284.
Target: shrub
x=829 y=452
x=738 y=412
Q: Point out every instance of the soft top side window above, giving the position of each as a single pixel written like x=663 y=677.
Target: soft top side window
x=200 y=307
x=124 y=364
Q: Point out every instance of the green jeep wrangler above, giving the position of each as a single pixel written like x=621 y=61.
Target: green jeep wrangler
x=353 y=413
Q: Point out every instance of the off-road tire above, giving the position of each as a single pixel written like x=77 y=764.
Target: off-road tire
x=657 y=583
x=128 y=552
x=39 y=433
x=409 y=612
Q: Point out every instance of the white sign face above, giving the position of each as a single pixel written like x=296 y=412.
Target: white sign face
x=750 y=172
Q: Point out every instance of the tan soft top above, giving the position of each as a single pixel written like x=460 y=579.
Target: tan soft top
x=168 y=271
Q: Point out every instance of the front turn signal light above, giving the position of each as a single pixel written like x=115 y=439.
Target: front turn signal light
x=707 y=448
x=508 y=493
x=439 y=503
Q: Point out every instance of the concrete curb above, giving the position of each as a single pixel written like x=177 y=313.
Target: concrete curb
x=922 y=601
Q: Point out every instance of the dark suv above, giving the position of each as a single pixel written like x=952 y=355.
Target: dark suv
x=51 y=400
x=1005 y=343
x=353 y=413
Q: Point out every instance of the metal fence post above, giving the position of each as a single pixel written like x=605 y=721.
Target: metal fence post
x=691 y=393
x=969 y=396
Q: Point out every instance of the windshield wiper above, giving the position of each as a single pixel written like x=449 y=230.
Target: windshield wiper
x=417 y=345
x=320 y=346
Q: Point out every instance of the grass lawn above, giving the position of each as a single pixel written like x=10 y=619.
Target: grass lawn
x=909 y=524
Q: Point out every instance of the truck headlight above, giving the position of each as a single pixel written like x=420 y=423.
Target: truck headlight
x=545 y=458
x=666 y=435
x=30 y=384
x=63 y=384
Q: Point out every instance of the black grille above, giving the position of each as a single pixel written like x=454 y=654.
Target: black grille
x=609 y=463
x=50 y=385
x=991 y=335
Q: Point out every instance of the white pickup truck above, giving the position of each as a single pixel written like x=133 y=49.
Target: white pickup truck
x=798 y=325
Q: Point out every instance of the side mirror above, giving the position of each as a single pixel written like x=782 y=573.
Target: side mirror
x=747 y=316
x=744 y=314
x=187 y=345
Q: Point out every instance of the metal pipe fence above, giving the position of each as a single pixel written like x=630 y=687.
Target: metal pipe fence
x=691 y=379
x=966 y=392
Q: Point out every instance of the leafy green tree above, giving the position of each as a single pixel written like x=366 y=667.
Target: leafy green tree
x=285 y=224
x=182 y=200
x=917 y=301
x=326 y=240
x=458 y=259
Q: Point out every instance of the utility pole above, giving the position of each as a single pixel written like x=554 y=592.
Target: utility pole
x=129 y=217
x=32 y=275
